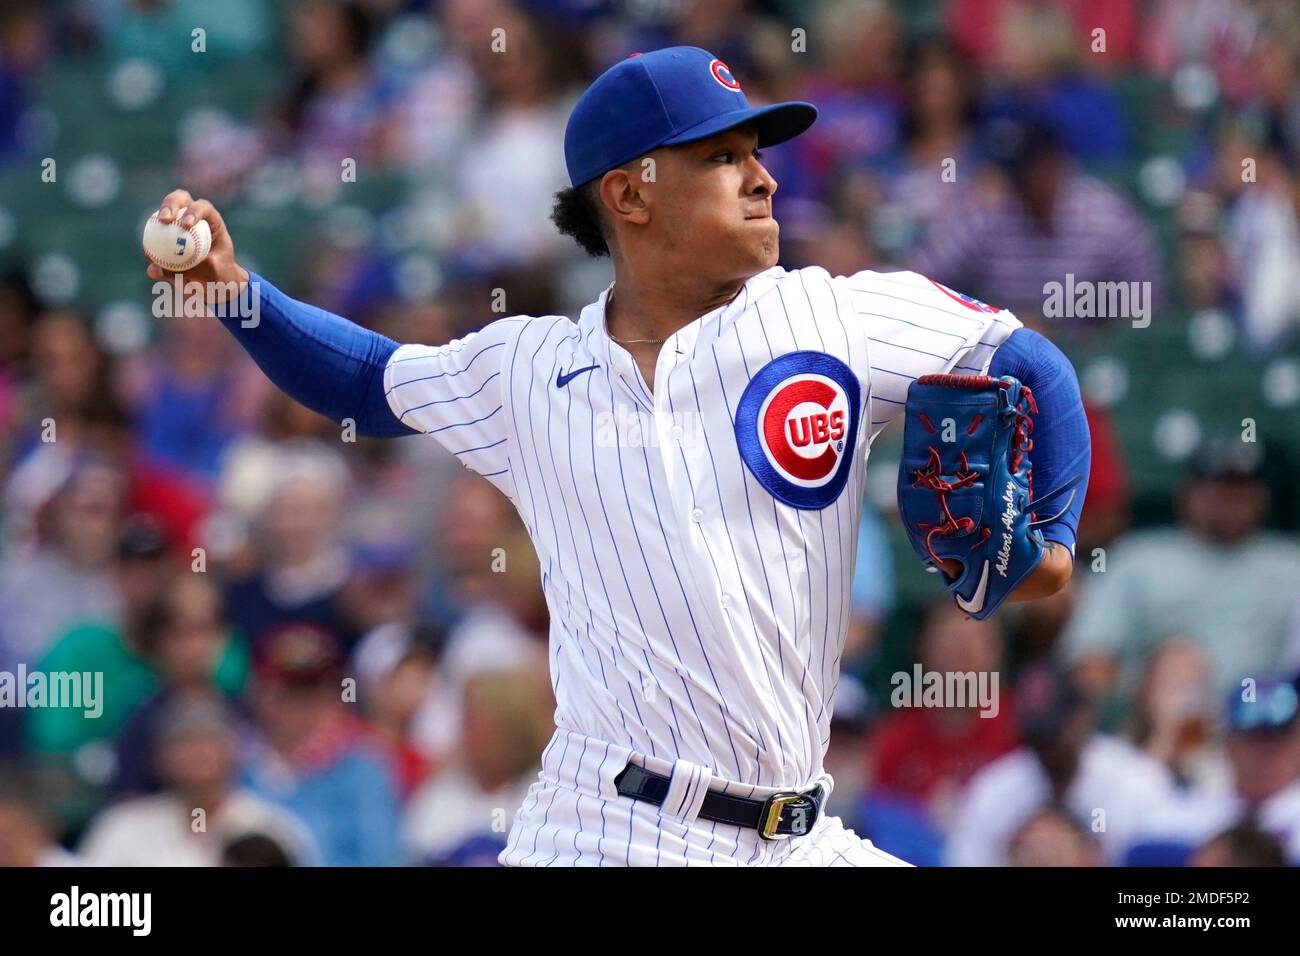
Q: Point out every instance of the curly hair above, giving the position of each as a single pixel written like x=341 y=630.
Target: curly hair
x=575 y=215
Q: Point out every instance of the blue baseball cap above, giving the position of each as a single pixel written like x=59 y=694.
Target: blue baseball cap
x=679 y=94
x=1274 y=707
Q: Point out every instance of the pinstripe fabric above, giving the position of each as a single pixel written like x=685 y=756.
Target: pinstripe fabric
x=694 y=615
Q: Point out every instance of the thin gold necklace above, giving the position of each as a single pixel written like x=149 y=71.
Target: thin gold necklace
x=641 y=341
x=608 y=298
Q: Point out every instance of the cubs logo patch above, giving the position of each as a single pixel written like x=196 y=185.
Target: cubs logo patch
x=970 y=302
x=722 y=73
x=797 y=426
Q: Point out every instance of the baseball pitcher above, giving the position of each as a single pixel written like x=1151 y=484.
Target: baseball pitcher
x=697 y=571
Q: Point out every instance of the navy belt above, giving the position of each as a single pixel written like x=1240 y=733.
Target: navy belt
x=784 y=814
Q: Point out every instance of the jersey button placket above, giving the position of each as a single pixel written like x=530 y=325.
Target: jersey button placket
x=687 y=468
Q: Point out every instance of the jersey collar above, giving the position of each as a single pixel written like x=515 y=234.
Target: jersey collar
x=703 y=331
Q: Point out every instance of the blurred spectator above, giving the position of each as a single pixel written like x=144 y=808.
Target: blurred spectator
x=19 y=308
x=402 y=688
x=126 y=658
x=188 y=823
x=1262 y=238
x=1045 y=219
x=71 y=410
x=1213 y=34
x=511 y=626
x=381 y=588
x=503 y=204
x=1216 y=578
x=1206 y=276
x=315 y=759
x=731 y=29
x=1043 y=62
x=855 y=88
x=254 y=850
x=829 y=235
x=506 y=721
x=302 y=562
x=195 y=653
x=432 y=116
x=1036 y=626
x=193 y=396
x=1174 y=719
x=25 y=43
x=27 y=829
x=1106 y=508
x=334 y=110
x=930 y=753
x=66 y=409
x=1102 y=780
x=68 y=578
x=1244 y=844
x=873 y=589
x=895 y=823
x=1034 y=629
x=1275 y=95
x=290 y=439
x=1053 y=837
x=848 y=754
x=979 y=26
x=1239 y=242
x=936 y=129
x=1263 y=748
x=473 y=524
x=336 y=106
x=407 y=703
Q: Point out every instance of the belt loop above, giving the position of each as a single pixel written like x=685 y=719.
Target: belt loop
x=827 y=783
x=686 y=790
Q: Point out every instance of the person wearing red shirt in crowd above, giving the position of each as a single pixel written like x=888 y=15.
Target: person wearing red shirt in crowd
x=1106 y=508
x=928 y=753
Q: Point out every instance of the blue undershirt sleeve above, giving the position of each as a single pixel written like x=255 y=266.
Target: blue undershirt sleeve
x=333 y=366
x=1062 y=443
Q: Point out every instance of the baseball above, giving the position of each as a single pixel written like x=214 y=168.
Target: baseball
x=170 y=247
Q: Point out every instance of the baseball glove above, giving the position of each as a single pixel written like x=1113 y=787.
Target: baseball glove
x=965 y=484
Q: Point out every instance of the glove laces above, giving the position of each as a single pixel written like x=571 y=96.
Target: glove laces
x=931 y=475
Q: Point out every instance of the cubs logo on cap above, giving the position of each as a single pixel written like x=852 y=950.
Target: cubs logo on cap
x=797 y=426
x=970 y=302
x=722 y=73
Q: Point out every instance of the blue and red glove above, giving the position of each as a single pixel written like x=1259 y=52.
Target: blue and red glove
x=965 y=484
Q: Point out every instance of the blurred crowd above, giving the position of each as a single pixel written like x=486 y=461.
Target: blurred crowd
x=318 y=650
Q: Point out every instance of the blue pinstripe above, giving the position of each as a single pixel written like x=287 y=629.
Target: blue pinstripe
x=454 y=398
x=459 y=371
x=434 y=431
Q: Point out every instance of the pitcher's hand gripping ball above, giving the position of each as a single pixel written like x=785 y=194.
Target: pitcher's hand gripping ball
x=965 y=484
x=173 y=248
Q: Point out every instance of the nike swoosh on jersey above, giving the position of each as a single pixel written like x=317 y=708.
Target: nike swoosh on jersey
x=564 y=378
x=977 y=599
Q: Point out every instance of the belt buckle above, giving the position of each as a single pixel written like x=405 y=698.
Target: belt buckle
x=775 y=807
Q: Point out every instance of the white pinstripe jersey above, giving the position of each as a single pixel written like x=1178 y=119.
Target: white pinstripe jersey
x=697 y=543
